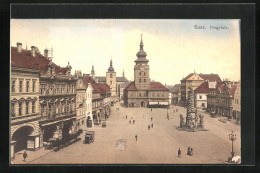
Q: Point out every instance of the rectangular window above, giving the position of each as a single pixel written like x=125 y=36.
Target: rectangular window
x=13 y=86
x=33 y=107
x=27 y=107
x=110 y=82
x=139 y=80
x=27 y=86
x=20 y=86
x=144 y=80
x=12 y=110
x=33 y=87
x=200 y=97
x=20 y=108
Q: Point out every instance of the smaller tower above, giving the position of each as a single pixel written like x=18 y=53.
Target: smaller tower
x=123 y=73
x=111 y=79
x=93 y=72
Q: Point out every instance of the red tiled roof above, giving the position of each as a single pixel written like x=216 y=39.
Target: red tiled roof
x=204 y=87
x=101 y=88
x=154 y=86
x=209 y=77
x=157 y=86
x=24 y=59
x=131 y=87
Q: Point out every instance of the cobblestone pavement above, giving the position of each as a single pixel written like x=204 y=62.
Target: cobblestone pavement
x=116 y=144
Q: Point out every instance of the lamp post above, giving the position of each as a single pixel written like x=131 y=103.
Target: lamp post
x=232 y=137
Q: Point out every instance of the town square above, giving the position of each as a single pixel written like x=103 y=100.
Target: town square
x=115 y=92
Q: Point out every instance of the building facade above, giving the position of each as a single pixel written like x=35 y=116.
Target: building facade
x=193 y=80
x=80 y=101
x=202 y=91
x=24 y=103
x=237 y=103
x=141 y=92
x=221 y=102
x=46 y=104
x=101 y=106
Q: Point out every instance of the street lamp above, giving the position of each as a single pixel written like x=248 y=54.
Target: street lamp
x=232 y=137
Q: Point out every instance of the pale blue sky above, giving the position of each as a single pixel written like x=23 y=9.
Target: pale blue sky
x=173 y=47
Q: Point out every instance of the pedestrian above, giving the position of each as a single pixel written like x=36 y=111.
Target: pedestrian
x=176 y=110
x=133 y=121
x=148 y=127
x=126 y=117
x=152 y=125
x=131 y=118
x=151 y=118
x=24 y=155
x=136 y=137
x=129 y=121
x=191 y=151
x=179 y=153
x=151 y=109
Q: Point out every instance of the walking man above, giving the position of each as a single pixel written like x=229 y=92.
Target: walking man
x=151 y=118
x=188 y=152
x=133 y=121
x=152 y=125
x=179 y=153
x=191 y=151
x=136 y=137
x=148 y=127
x=24 y=155
x=126 y=117
x=129 y=121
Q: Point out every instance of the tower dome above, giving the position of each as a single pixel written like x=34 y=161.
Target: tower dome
x=141 y=54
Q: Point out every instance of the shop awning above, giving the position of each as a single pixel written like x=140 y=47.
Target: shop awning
x=163 y=103
x=153 y=103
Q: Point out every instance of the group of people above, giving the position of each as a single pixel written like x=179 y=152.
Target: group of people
x=130 y=119
x=150 y=126
x=189 y=152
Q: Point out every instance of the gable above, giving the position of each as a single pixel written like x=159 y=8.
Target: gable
x=194 y=77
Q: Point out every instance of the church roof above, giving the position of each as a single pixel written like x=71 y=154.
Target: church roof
x=121 y=79
x=154 y=86
x=24 y=59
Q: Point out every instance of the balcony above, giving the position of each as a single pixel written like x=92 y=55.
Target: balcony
x=56 y=116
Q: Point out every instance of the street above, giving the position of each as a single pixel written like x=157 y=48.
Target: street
x=159 y=145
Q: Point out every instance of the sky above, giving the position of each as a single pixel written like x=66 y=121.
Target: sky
x=173 y=46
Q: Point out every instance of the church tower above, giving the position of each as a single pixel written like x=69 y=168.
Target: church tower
x=142 y=69
x=93 y=72
x=111 y=79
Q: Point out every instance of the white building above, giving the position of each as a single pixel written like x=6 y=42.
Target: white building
x=89 y=103
x=202 y=91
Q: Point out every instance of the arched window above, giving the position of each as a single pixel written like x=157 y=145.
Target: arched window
x=110 y=75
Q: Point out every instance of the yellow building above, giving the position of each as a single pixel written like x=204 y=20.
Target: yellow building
x=141 y=92
x=193 y=80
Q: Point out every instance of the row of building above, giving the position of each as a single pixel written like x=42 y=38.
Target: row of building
x=210 y=93
x=49 y=102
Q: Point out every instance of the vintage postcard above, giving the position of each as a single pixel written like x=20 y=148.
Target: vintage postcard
x=125 y=91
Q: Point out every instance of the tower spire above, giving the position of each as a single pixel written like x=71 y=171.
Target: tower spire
x=123 y=73
x=141 y=42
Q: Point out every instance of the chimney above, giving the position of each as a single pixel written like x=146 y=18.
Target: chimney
x=33 y=51
x=46 y=53
x=19 y=47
